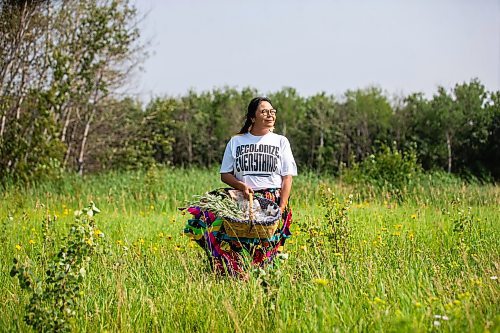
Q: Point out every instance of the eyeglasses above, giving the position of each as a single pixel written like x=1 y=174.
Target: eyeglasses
x=271 y=112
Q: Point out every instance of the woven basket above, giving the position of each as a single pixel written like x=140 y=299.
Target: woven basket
x=252 y=228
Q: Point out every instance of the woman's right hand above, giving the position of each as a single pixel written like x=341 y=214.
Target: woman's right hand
x=230 y=180
x=246 y=191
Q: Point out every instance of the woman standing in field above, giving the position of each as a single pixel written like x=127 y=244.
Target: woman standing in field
x=256 y=161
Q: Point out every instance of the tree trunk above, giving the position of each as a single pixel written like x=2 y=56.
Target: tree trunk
x=2 y=127
x=190 y=148
x=84 y=142
x=448 y=145
x=65 y=127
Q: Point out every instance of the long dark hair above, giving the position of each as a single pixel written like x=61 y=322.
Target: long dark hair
x=252 y=108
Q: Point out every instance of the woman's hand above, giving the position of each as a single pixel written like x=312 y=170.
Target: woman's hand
x=282 y=208
x=246 y=191
x=230 y=180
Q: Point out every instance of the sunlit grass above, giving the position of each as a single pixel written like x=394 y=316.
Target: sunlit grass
x=406 y=270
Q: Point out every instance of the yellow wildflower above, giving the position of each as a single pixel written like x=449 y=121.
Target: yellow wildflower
x=321 y=282
x=18 y=247
x=378 y=300
x=32 y=242
x=418 y=304
x=413 y=216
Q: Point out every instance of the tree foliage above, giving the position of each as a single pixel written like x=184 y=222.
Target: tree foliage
x=62 y=63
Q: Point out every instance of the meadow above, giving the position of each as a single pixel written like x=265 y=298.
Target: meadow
x=426 y=261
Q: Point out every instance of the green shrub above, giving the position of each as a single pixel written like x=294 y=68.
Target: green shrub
x=387 y=171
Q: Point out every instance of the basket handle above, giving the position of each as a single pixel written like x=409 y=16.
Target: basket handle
x=250 y=206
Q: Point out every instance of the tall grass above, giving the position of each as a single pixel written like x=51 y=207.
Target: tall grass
x=406 y=268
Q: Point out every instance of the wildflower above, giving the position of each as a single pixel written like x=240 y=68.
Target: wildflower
x=477 y=282
x=444 y=317
x=337 y=254
x=31 y=242
x=89 y=241
x=161 y=235
x=418 y=304
x=457 y=302
x=154 y=249
x=152 y=207
x=282 y=256
x=141 y=241
x=411 y=236
x=98 y=233
x=321 y=282
x=303 y=248
x=397 y=233
x=494 y=277
x=398 y=226
x=119 y=242
x=413 y=216
x=18 y=247
x=378 y=300
x=383 y=229
x=464 y=295
x=437 y=323
x=177 y=248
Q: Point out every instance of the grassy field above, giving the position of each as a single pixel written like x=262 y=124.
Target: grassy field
x=428 y=263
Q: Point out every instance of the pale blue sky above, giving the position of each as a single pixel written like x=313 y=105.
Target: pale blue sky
x=401 y=46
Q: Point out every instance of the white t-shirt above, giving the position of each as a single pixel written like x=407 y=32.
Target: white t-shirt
x=259 y=161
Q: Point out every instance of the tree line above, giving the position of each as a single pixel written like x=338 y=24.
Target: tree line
x=62 y=63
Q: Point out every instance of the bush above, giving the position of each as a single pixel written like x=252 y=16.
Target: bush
x=388 y=170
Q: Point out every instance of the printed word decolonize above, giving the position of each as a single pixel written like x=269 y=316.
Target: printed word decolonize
x=257 y=158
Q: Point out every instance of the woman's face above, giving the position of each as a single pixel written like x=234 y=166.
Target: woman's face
x=265 y=116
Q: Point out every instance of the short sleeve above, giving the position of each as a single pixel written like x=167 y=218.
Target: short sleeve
x=228 y=159
x=288 y=166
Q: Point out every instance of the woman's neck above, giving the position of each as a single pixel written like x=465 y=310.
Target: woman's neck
x=259 y=131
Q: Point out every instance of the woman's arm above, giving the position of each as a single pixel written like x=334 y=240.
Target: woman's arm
x=231 y=180
x=286 y=188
